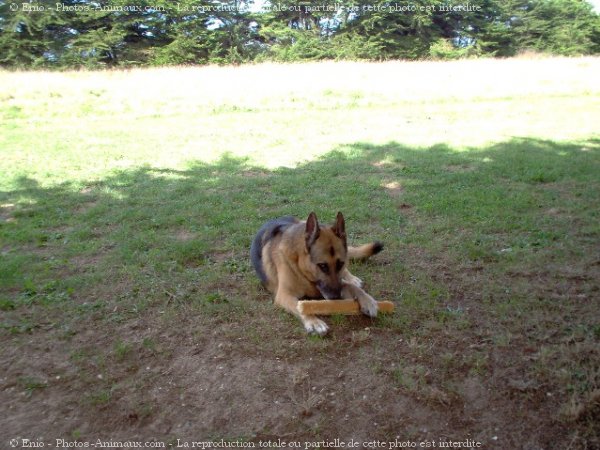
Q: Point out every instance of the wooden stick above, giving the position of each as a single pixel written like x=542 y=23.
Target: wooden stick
x=329 y=307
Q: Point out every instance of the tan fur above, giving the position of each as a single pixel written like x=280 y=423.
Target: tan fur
x=294 y=263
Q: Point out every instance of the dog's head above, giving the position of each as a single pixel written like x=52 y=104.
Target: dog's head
x=327 y=252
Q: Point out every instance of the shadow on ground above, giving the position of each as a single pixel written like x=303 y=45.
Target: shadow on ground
x=130 y=310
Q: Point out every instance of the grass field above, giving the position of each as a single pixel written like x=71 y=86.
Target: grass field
x=128 y=201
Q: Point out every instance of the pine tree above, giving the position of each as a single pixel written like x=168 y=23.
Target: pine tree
x=29 y=33
x=565 y=27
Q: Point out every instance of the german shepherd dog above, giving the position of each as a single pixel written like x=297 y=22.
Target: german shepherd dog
x=303 y=260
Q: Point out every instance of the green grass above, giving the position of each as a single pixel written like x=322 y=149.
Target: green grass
x=137 y=224
x=30 y=385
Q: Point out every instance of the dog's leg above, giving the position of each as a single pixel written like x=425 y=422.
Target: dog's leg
x=368 y=305
x=312 y=324
x=351 y=279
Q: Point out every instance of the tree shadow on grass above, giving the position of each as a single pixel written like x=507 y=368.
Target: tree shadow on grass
x=182 y=235
x=166 y=218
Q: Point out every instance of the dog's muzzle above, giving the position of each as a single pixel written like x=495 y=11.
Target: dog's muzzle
x=329 y=292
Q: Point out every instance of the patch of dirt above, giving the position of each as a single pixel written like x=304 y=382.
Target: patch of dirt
x=385 y=163
x=393 y=188
x=206 y=387
x=554 y=212
x=6 y=212
x=255 y=174
x=184 y=235
x=209 y=380
x=84 y=263
x=83 y=208
x=249 y=372
x=459 y=168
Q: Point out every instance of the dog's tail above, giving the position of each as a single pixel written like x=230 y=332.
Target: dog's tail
x=364 y=251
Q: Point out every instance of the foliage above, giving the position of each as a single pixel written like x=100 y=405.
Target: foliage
x=444 y=49
x=564 y=27
x=86 y=33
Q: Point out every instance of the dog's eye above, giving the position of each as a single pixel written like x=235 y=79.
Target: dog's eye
x=338 y=265
x=324 y=267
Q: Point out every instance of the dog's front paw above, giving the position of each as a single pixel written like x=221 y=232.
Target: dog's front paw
x=353 y=280
x=314 y=325
x=368 y=306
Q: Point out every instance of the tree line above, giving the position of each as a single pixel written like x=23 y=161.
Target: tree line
x=104 y=33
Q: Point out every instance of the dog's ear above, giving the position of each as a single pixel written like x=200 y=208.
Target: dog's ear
x=312 y=231
x=340 y=227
